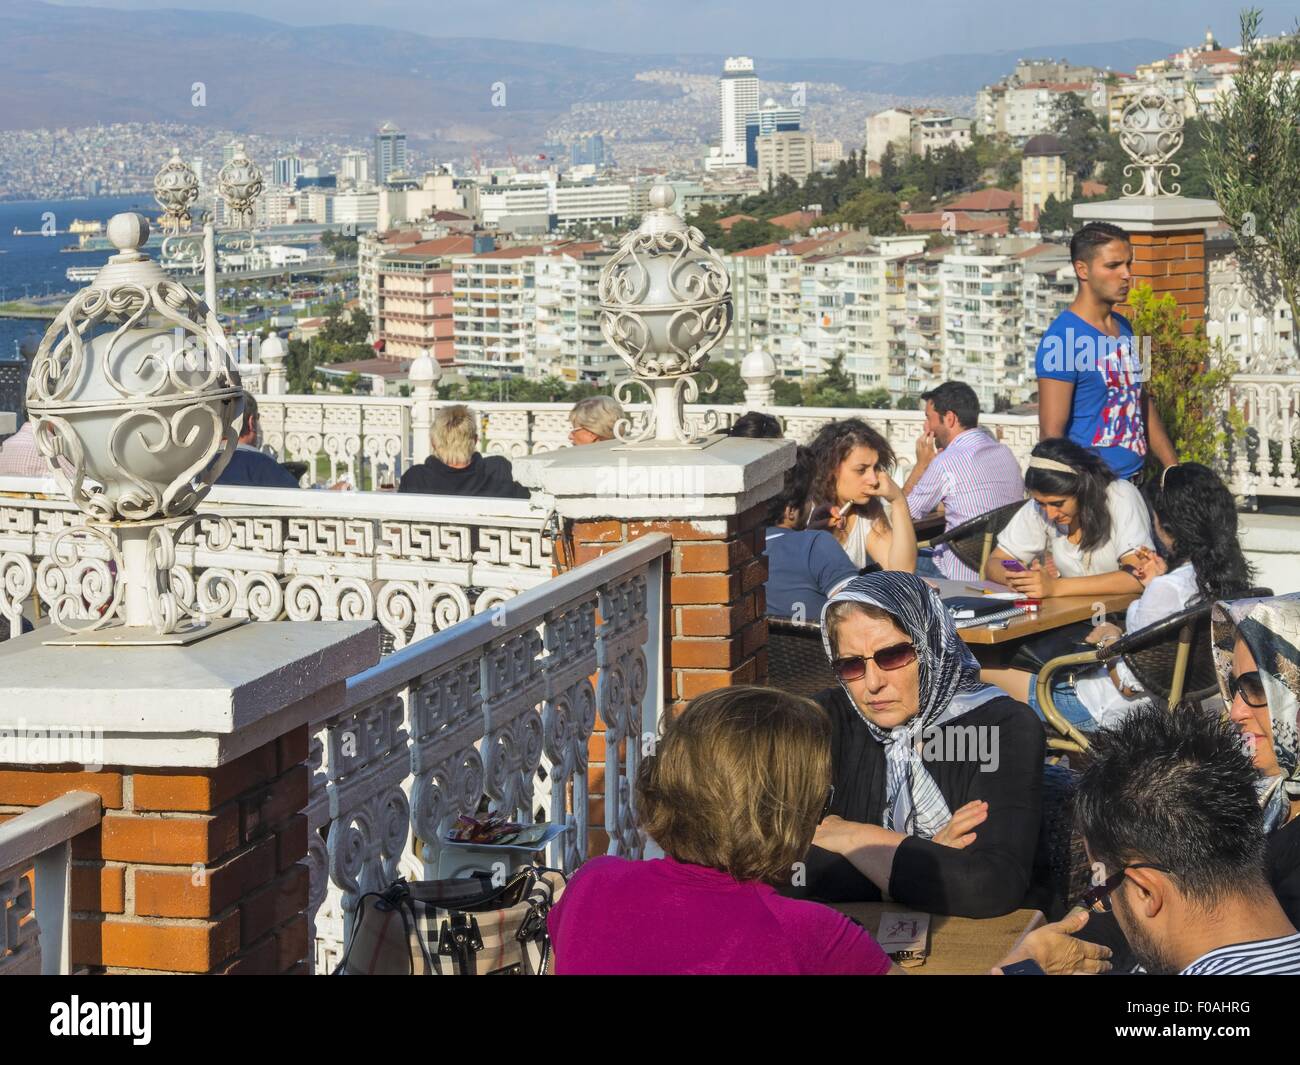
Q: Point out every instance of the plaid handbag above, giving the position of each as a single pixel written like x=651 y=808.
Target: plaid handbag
x=462 y=927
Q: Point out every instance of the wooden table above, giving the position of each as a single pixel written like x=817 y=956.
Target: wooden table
x=959 y=946
x=1054 y=612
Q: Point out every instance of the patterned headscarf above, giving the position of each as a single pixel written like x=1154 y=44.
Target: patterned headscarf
x=949 y=686
x=1271 y=629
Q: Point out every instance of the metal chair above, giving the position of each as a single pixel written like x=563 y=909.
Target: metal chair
x=1159 y=656
x=972 y=541
x=796 y=661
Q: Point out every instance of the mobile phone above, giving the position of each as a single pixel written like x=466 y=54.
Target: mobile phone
x=1028 y=967
x=1012 y=565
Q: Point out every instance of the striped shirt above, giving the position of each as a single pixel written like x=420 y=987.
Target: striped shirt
x=974 y=474
x=1263 y=957
x=19 y=457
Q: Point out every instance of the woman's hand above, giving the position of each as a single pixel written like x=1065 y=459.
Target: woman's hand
x=886 y=488
x=1056 y=950
x=1102 y=631
x=1148 y=565
x=957 y=832
x=837 y=835
x=1035 y=582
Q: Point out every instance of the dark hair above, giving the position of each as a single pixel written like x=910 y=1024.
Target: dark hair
x=756 y=424
x=737 y=782
x=958 y=397
x=1175 y=788
x=1095 y=235
x=1088 y=485
x=1196 y=509
x=832 y=446
x=794 y=492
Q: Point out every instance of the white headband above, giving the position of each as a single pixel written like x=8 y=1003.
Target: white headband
x=1051 y=464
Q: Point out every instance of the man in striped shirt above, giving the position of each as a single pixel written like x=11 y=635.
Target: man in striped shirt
x=960 y=468
x=1169 y=810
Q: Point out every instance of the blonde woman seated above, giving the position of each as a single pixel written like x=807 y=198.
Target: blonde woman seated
x=594 y=420
x=733 y=794
x=1080 y=526
x=852 y=485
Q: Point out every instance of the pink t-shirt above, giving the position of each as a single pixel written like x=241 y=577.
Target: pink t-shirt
x=663 y=917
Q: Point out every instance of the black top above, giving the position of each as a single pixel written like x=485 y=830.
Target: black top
x=1284 y=868
x=986 y=879
x=489 y=476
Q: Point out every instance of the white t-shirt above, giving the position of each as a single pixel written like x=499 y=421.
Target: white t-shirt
x=1029 y=534
x=1164 y=597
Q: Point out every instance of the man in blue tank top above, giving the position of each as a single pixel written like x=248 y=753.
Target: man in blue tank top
x=1091 y=370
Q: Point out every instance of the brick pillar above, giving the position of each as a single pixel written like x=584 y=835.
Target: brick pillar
x=1173 y=262
x=1168 y=236
x=199 y=862
x=714 y=503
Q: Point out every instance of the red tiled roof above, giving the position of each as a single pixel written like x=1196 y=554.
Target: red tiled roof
x=793 y=220
x=509 y=253
x=400 y=236
x=725 y=224
x=803 y=247
x=1092 y=188
x=378 y=367
x=457 y=245
x=932 y=222
x=1037 y=249
x=450 y=216
x=1219 y=55
x=755 y=253
x=986 y=200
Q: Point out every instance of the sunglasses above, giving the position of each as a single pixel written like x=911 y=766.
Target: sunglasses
x=854 y=667
x=826 y=806
x=1097 y=898
x=1250 y=686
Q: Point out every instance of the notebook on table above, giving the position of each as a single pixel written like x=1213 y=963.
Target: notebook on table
x=970 y=611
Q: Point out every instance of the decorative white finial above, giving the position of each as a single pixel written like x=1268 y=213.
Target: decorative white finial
x=662 y=197
x=1151 y=132
x=128 y=232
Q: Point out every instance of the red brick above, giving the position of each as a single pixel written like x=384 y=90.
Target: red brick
x=274 y=904
x=691 y=683
x=705 y=588
x=192 y=947
x=1148 y=269
x=1138 y=239
x=760 y=666
x=716 y=653
x=717 y=556
x=37 y=786
x=716 y=620
x=291 y=943
x=201 y=791
x=259 y=959
x=274 y=805
x=162 y=840
x=754 y=574
x=292 y=748
x=291 y=842
x=1197 y=237
x=1188 y=266
x=1167 y=284
x=1193 y=297
x=755 y=517
x=583 y=553
x=98 y=888
x=752 y=637
x=597 y=532
x=678 y=530
x=206 y=891
x=760 y=601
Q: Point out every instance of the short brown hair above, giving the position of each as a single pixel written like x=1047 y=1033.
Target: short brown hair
x=738 y=782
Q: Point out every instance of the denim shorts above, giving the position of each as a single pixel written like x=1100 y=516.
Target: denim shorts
x=1066 y=700
x=925 y=565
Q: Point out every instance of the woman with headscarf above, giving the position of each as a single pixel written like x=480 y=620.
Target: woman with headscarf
x=1257 y=652
x=937 y=776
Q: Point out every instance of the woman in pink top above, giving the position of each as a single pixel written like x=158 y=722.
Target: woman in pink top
x=738 y=784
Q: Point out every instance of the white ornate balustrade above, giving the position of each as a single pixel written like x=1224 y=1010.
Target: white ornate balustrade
x=1266 y=463
x=499 y=710
x=416 y=564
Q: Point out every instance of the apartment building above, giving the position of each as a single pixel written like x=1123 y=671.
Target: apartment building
x=411 y=201
x=923 y=367
x=1048 y=287
x=788 y=153
x=982 y=321
x=1043 y=173
x=569 y=343
x=891 y=126
x=494 y=311
x=414 y=312
x=933 y=130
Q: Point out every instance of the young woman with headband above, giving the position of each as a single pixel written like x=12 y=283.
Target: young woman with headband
x=1089 y=522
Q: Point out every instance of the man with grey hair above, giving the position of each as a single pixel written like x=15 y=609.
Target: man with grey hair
x=250 y=466
x=456 y=468
x=594 y=419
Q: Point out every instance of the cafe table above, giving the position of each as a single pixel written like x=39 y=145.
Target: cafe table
x=959 y=946
x=1052 y=613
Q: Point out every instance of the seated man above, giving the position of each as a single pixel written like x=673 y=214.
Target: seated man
x=249 y=466
x=1168 y=808
x=456 y=468
x=803 y=565
x=960 y=468
x=19 y=457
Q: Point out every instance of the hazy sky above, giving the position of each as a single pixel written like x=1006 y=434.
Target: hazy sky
x=887 y=30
